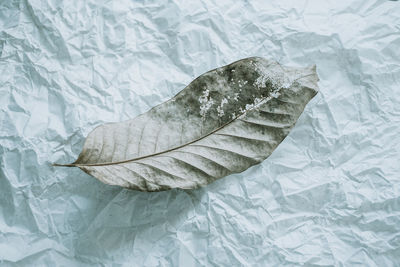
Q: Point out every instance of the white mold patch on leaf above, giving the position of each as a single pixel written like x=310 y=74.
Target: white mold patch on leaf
x=258 y=102
x=206 y=103
x=220 y=107
x=242 y=83
x=272 y=74
x=276 y=93
x=220 y=111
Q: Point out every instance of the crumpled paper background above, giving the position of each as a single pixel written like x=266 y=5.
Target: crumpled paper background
x=328 y=196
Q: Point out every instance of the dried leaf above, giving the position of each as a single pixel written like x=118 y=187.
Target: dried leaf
x=223 y=122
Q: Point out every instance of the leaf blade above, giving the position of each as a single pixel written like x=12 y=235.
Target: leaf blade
x=254 y=114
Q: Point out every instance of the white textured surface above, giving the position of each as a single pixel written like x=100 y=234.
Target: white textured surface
x=328 y=195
